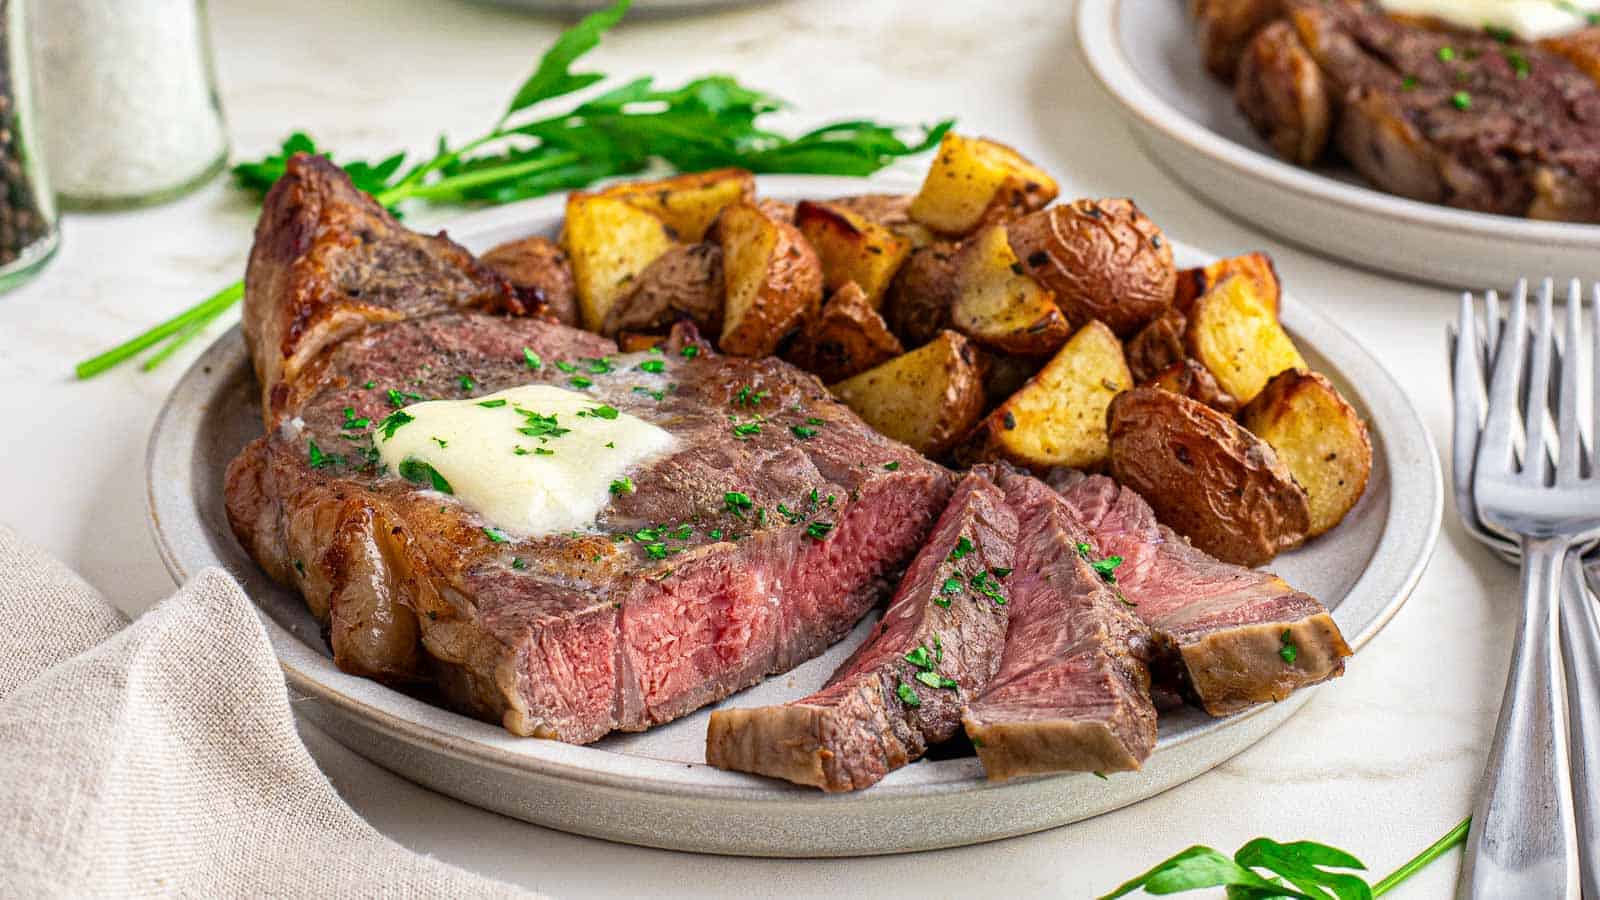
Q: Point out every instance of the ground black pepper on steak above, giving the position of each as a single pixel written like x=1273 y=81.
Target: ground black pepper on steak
x=937 y=645
x=1228 y=635
x=674 y=599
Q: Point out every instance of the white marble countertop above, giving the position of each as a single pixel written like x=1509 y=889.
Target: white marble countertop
x=1381 y=762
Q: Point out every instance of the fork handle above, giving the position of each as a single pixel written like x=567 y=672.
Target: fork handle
x=1523 y=841
x=1580 y=650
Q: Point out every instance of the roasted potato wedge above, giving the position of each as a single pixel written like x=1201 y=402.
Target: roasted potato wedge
x=1206 y=476
x=1103 y=259
x=851 y=248
x=892 y=211
x=917 y=306
x=1284 y=94
x=1225 y=28
x=683 y=283
x=772 y=278
x=1158 y=346
x=847 y=338
x=1257 y=266
x=540 y=273
x=689 y=203
x=1191 y=379
x=610 y=242
x=1319 y=437
x=927 y=398
x=1236 y=335
x=974 y=182
x=1059 y=417
x=999 y=307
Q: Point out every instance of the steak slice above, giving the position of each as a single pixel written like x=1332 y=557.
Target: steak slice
x=1072 y=692
x=328 y=260
x=1233 y=636
x=902 y=691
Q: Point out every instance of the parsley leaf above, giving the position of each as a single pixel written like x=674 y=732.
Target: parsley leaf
x=415 y=470
x=623 y=485
x=531 y=359
x=907 y=695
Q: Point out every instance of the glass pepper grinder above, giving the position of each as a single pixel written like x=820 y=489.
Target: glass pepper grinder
x=28 y=232
x=128 y=100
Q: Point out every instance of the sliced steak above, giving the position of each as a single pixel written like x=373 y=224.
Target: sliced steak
x=902 y=691
x=1232 y=636
x=328 y=261
x=673 y=598
x=1072 y=692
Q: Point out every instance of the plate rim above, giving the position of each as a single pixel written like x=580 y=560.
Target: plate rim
x=1098 y=38
x=1395 y=569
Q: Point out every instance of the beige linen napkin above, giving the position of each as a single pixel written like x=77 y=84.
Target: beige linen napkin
x=160 y=758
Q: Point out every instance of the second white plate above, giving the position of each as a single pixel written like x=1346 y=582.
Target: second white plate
x=1145 y=55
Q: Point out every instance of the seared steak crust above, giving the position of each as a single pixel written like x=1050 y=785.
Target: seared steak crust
x=879 y=711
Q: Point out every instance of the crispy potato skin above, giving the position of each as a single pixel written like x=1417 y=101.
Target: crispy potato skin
x=1225 y=27
x=998 y=306
x=773 y=280
x=974 y=182
x=540 y=273
x=1058 y=418
x=852 y=249
x=1192 y=283
x=1158 y=346
x=1103 y=259
x=1191 y=379
x=892 y=211
x=927 y=398
x=849 y=337
x=683 y=283
x=610 y=242
x=687 y=203
x=1281 y=90
x=1206 y=476
x=1236 y=336
x=917 y=306
x=1319 y=436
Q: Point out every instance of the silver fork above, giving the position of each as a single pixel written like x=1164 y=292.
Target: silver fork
x=1523 y=840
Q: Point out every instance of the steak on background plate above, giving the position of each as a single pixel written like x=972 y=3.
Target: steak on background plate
x=674 y=599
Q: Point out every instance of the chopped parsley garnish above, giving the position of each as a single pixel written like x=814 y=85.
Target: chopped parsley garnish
x=962 y=548
x=623 y=485
x=952 y=585
x=1408 y=83
x=466 y=382
x=715 y=534
x=656 y=550
x=647 y=534
x=493 y=404
x=654 y=395
x=803 y=432
x=1518 y=62
x=983 y=584
x=579 y=382
x=743 y=430
x=1503 y=35
x=601 y=366
x=600 y=412
x=440 y=441
x=1446 y=54
x=818 y=531
x=541 y=451
x=532 y=359
x=351 y=423
x=393 y=421
x=689 y=352
x=1288 y=651
x=935 y=680
x=520 y=451
x=1107 y=568
x=790 y=514
x=907 y=695
x=419 y=472
x=540 y=426
x=919 y=658
x=397 y=399
x=318 y=459
x=567 y=367
x=496 y=535
x=1461 y=100
x=653 y=366
x=748 y=396
x=370 y=385
x=517 y=563
x=737 y=502
x=891 y=466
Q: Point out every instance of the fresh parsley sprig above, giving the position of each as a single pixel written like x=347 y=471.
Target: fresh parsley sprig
x=709 y=122
x=1303 y=870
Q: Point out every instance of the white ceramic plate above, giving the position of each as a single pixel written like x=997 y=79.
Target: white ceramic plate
x=653 y=788
x=1145 y=55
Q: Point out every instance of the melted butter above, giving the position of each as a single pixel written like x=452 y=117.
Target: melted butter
x=558 y=478
x=1530 y=20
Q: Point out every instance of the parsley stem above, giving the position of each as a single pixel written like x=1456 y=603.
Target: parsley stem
x=205 y=311
x=188 y=334
x=453 y=184
x=1455 y=837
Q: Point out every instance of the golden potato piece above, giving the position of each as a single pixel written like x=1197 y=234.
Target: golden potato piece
x=1059 y=417
x=999 y=307
x=540 y=273
x=772 y=278
x=1103 y=259
x=1236 y=335
x=852 y=249
x=917 y=306
x=683 y=283
x=1284 y=94
x=1191 y=379
x=1319 y=437
x=687 y=203
x=1206 y=476
x=1158 y=346
x=611 y=242
x=1004 y=374
x=927 y=398
x=1225 y=27
x=848 y=338
x=1257 y=266
x=974 y=182
x=892 y=211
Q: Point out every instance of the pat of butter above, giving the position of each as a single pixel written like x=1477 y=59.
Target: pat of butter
x=532 y=460
x=1530 y=20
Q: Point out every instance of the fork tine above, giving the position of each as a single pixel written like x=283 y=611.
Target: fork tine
x=1491 y=325
x=1466 y=376
x=1537 y=403
x=1494 y=442
x=1594 y=385
x=1568 y=466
